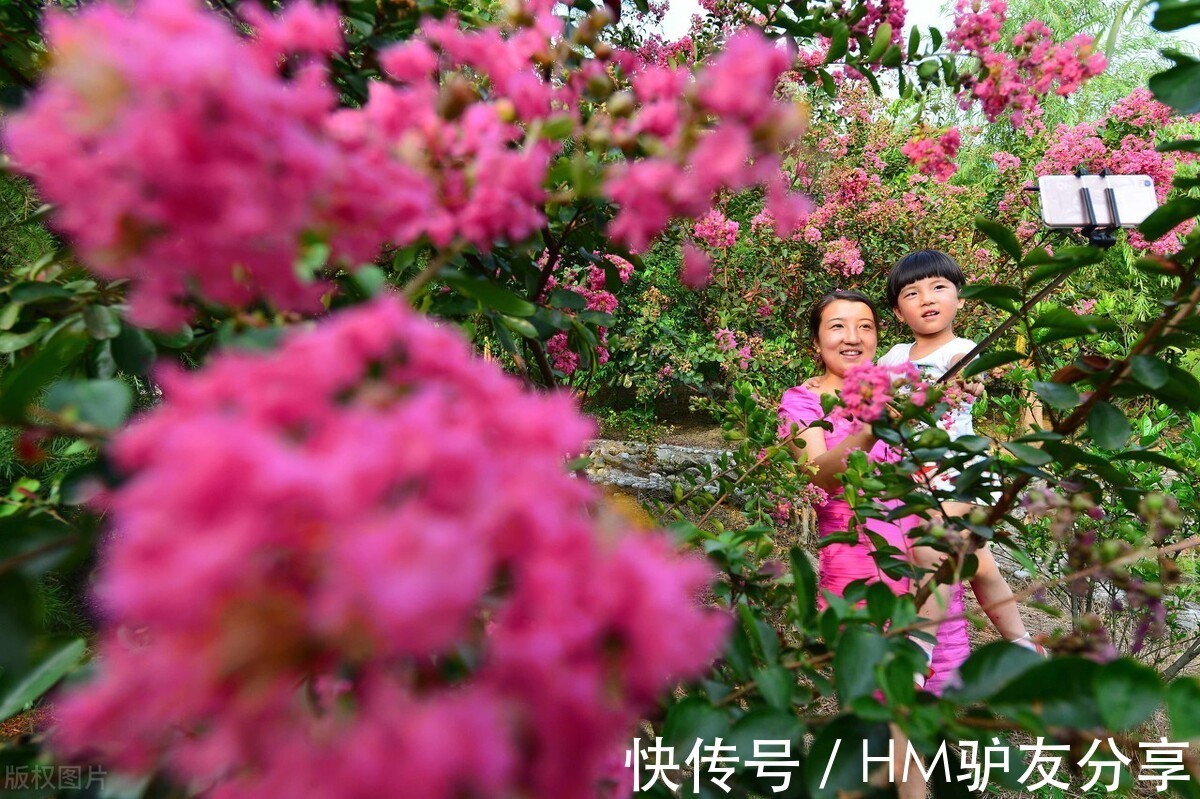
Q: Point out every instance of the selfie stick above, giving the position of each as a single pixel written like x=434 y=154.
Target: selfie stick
x=1103 y=237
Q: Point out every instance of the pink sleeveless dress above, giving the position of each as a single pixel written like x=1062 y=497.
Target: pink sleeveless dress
x=841 y=564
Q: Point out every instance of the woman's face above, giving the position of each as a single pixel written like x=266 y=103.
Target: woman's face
x=847 y=336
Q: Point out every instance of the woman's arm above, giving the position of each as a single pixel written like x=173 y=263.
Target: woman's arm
x=826 y=464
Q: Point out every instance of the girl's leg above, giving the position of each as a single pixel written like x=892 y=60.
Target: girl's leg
x=995 y=596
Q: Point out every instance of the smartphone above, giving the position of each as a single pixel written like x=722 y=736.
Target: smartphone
x=1063 y=204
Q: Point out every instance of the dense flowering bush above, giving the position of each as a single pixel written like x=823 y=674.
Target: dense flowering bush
x=1013 y=81
x=429 y=157
x=138 y=96
x=372 y=568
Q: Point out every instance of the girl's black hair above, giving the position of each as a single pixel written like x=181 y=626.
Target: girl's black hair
x=814 y=316
x=918 y=266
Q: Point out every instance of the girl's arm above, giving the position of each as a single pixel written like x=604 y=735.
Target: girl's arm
x=975 y=387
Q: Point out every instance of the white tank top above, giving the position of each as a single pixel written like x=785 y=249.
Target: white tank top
x=933 y=365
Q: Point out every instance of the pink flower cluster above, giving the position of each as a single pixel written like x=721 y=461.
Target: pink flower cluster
x=696 y=269
x=934 y=156
x=374 y=568
x=737 y=88
x=200 y=163
x=877 y=12
x=842 y=257
x=726 y=340
x=184 y=156
x=659 y=52
x=1005 y=161
x=1014 y=83
x=868 y=389
x=591 y=284
x=715 y=230
x=1139 y=109
x=153 y=132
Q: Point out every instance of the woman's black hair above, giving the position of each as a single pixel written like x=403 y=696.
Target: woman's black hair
x=918 y=266
x=814 y=316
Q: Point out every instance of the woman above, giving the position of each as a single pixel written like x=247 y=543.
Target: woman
x=843 y=326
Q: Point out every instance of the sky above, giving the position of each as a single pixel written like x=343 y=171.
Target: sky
x=922 y=13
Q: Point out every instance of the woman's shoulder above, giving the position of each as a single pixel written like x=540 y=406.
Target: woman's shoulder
x=802 y=403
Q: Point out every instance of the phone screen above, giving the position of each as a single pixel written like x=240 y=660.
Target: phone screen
x=1063 y=203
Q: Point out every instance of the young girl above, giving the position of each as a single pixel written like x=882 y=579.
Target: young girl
x=923 y=290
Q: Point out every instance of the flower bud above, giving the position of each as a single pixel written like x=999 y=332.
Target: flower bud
x=505 y=110
x=621 y=104
x=457 y=93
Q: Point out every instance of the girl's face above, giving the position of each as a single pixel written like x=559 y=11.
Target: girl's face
x=847 y=336
x=928 y=305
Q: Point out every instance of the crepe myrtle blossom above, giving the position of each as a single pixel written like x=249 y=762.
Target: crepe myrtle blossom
x=1014 y=82
x=934 y=155
x=868 y=389
x=696 y=270
x=715 y=230
x=199 y=162
x=378 y=567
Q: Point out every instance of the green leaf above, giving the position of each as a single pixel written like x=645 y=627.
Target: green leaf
x=1126 y=693
x=15 y=342
x=883 y=40
x=1003 y=297
x=30 y=292
x=1108 y=427
x=914 y=42
x=1060 y=323
x=839 y=42
x=102 y=323
x=1184 y=145
x=804 y=582
x=21 y=384
x=370 y=279
x=42 y=678
x=10 y=315
x=1171 y=15
x=1059 y=691
x=175 y=339
x=989 y=669
x=103 y=403
x=858 y=652
x=561 y=298
x=492 y=296
x=1183 y=708
x=764 y=724
x=693 y=718
x=1167 y=217
x=519 y=326
x=1027 y=454
x=1057 y=395
x=133 y=350
x=1150 y=371
x=775 y=685
x=1005 y=239
x=991 y=360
